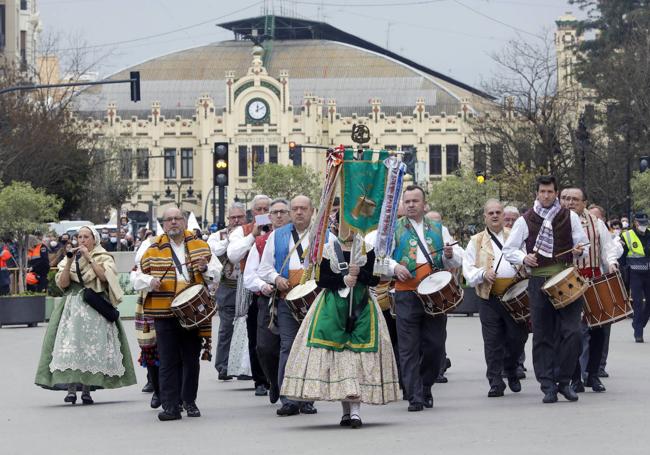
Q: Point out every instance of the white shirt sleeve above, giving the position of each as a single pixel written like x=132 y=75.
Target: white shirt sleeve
x=238 y=245
x=473 y=275
x=213 y=273
x=252 y=281
x=578 y=234
x=266 y=270
x=610 y=250
x=513 y=250
x=217 y=246
x=457 y=259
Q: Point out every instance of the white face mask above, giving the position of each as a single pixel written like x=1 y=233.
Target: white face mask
x=54 y=243
x=617 y=232
x=642 y=228
x=205 y=237
x=75 y=243
x=625 y=224
x=113 y=239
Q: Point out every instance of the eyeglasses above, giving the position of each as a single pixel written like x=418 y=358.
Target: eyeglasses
x=173 y=218
x=571 y=199
x=236 y=217
x=279 y=212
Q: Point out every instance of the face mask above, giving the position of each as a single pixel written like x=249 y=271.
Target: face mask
x=75 y=243
x=642 y=228
x=617 y=232
x=104 y=236
x=625 y=224
x=204 y=237
x=53 y=244
x=113 y=239
x=63 y=241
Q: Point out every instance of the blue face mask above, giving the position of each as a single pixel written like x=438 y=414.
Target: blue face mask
x=113 y=239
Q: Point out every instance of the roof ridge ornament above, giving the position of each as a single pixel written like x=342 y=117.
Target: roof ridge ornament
x=257 y=66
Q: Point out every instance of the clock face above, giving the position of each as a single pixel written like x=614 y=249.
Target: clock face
x=257 y=109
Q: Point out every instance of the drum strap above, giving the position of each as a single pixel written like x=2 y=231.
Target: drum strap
x=495 y=239
x=297 y=242
x=423 y=249
x=177 y=263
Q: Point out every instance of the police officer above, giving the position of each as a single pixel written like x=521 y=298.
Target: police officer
x=636 y=242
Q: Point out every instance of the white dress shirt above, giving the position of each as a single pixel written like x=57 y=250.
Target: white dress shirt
x=266 y=269
x=252 y=280
x=474 y=275
x=239 y=245
x=218 y=245
x=514 y=250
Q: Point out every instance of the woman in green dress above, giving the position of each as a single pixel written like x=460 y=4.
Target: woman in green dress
x=338 y=358
x=82 y=350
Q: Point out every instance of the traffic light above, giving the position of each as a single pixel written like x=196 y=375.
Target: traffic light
x=220 y=164
x=644 y=162
x=135 y=86
x=480 y=177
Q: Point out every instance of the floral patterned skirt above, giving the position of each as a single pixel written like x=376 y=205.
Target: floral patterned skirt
x=318 y=374
x=238 y=358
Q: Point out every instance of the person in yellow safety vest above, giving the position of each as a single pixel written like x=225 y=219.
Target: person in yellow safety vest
x=636 y=242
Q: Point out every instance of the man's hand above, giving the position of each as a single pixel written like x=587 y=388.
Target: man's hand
x=531 y=260
x=490 y=276
x=578 y=249
x=613 y=267
x=282 y=283
x=402 y=273
x=353 y=269
x=350 y=280
x=200 y=264
x=155 y=284
x=257 y=230
x=449 y=251
x=267 y=290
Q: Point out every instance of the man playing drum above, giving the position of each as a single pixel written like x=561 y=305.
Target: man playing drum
x=551 y=237
x=484 y=268
x=281 y=266
x=602 y=250
x=174 y=261
x=421 y=338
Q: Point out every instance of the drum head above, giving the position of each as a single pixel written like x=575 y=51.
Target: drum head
x=296 y=292
x=434 y=283
x=515 y=290
x=187 y=294
x=310 y=286
x=555 y=279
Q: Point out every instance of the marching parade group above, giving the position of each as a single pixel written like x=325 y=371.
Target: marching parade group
x=353 y=324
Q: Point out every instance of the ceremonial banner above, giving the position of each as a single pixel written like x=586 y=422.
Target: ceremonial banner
x=363 y=188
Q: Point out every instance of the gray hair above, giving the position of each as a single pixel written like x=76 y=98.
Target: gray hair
x=511 y=209
x=236 y=205
x=491 y=201
x=259 y=198
x=279 y=200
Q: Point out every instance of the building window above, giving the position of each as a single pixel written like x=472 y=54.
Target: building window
x=187 y=167
x=23 y=5
x=273 y=154
x=390 y=148
x=23 y=50
x=496 y=158
x=296 y=156
x=480 y=158
x=126 y=162
x=453 y=162
x=142 y=164
x=2 y=27
x=258 y=155
x=170 y=163
x=243 y=161
x=435 y=159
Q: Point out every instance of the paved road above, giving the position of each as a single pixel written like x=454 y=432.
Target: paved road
x=463 y=420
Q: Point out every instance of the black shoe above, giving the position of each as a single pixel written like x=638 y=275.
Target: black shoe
x=224 y=377
x=244 y=377
x=602 y=373
x=520 y=373
x=174 y=414
x=447 y=363
x=274 y=393
x=86 y=398
x=308 y=408
x=345 y=420
x=355 y=421
x=155 y=401
x=514 y=384
x=550 y=397
x=441 y=379
x=638 y=339
x=71 y=397
x=495 y=391
x=288 y=409
x=595 y=384
x=148 y=388
x=261 y=391
x=567 y=392
x=415 y=407
x=428 y=402
x=192 y=410
x=578 y=387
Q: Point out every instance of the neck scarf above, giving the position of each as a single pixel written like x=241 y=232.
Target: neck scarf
x=544 y=241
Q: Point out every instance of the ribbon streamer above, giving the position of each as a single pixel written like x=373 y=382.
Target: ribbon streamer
x=388 y=217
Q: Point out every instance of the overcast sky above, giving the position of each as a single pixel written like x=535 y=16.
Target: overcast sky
x=454 y=37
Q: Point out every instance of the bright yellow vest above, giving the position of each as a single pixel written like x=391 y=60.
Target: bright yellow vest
x=634 y=245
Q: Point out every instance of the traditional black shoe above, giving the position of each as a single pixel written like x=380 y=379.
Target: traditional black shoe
x=428 y=402
x=578 y=387
x=274 y=393
x=415 y=407
x=441 y=379
x=192 y=410
x=602 y=373
x=244 y=377
x=514 y=384
x=567 y=392
x=447 y=363
x=495 y=392
x=308 y=408
x=355 y=421
x=638 y=339
x=260 y=391
x=345 y=420
x=595 y=384
x=155 y=401
x=288 y=409
x=550 y=397
x=520 y=373
x=148 y=388
x=71 y=397
x=86 y=398
x=174 y=414
x=224 y=377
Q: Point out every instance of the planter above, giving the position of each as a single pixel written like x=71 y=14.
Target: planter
x=28 y=310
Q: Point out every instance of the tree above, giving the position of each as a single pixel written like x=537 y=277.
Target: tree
x=460 y=200
x=277 y=180
x=24 y=210
x=640 y=194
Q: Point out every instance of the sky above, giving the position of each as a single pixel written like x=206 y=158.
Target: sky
x=454 y=37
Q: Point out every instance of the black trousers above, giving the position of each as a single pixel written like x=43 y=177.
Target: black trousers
x=503 y=341
x=153 y=376
x=557 y=337
x=251 y=328
x=268 y=344
x=595 y=347
x=640 y=289
x=179 y=350
x=421 y=344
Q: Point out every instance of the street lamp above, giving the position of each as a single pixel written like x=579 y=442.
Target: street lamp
x=179 y=194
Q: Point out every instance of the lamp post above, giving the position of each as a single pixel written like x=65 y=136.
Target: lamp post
x=179 y=194
x=244 y=196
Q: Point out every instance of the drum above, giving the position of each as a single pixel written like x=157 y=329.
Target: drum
x=439 y=293
x=565 y=288
x=515 y=300
x=380 y=294
x=300 y=298
x=606 y=300
x=193 y=306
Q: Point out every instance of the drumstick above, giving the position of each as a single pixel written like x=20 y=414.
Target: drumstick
x=569 y=250
x=170 y=267
x=435 y=251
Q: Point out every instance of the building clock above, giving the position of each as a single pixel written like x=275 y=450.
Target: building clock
x=257 y=111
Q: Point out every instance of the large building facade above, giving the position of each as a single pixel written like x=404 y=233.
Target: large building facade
x=20 y=27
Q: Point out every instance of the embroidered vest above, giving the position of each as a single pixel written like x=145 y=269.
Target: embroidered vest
x=406 y=244
x=589 y=225
x=485 y=258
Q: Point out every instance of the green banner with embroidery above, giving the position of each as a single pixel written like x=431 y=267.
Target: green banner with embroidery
x=364 y=183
